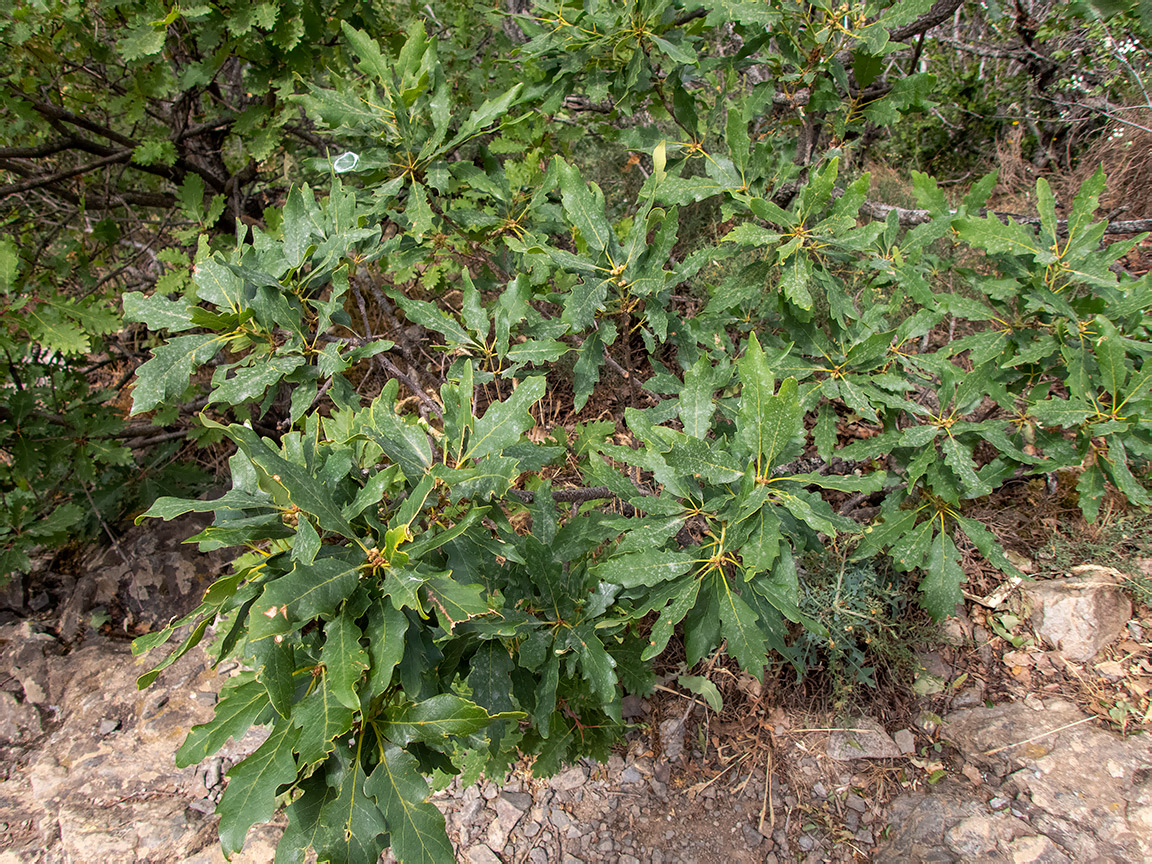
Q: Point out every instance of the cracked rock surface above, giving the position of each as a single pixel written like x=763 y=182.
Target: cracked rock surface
x=1054 y=789
x=89 y=776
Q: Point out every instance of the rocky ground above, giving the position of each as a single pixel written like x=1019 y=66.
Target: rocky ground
x=1001 y=762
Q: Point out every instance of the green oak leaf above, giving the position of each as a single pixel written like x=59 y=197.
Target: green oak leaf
x=416 y=828
x=253 y=784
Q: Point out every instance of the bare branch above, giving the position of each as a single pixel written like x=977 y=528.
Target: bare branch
x=49 y=179
x=938 y=14
x=920 y=217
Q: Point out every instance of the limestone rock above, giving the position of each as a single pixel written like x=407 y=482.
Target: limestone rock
x=85 y=795
x=1090 y=786
x=867 y=740
x=24 y=653
x=946 y=825
x=572 y=778
x=482 y=855
x=1079 y=614
x=19 y=721
x=155 y=579
x=1036 y=850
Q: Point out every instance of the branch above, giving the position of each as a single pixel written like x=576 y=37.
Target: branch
x=49 y=179
x=984 y=51
x=136 y=444
x=394 y=370
x=54 y=112
x=938 y=14
x=49 y=149
x=162 y=200
x=920 y=217
x=391 y=367
x=568 y=496
x=201 y=128
x=688 y=17
x=176 y=173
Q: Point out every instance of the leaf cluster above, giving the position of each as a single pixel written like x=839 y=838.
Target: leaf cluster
x=412 y=598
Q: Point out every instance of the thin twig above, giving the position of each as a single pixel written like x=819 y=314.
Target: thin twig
x=107 y=530
x=701 y=786
x=766 y=801
x=1038 y=737
x=691 y=699
x=391 y=367
x=411 y=385
x=568 y=496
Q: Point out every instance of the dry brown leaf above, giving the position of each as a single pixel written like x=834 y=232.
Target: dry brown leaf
x=1111 y=669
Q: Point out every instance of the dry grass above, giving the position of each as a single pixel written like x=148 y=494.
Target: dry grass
x=1125 y=152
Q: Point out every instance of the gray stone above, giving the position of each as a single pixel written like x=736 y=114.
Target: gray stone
x=566 y=781
x=925 y=827
x=481 y=854
x=932 y=663
x=1088 y=793
x=932 y=673
x=469 y=809
x=631 y=775
x=107 y=727
x=632 y=706
x=905 y=741
x=867 y=740
x=19 y=721
x=161 y=579
x=507 y=815
x=87 y=798
x=672 y=738
x=520 y=800
x=780 y=838
x=969 y=697
x=978 y=837
x=1080 y=614
x=27 y=653
x=751 y=836
x=1094 y=786
x=1036 y=849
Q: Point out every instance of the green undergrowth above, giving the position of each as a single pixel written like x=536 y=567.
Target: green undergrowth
x=448 y=579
